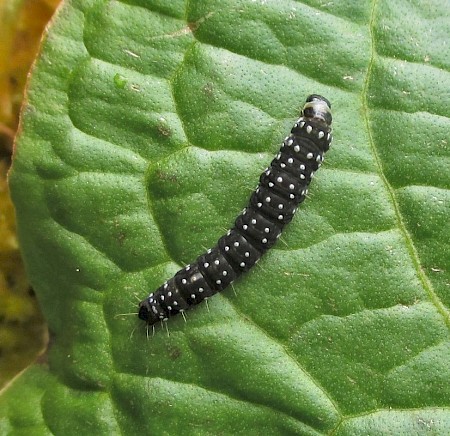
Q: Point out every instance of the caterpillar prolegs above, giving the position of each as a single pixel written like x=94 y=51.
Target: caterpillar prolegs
x=282 y=187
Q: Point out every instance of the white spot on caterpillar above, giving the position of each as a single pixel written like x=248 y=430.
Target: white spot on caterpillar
x=309 y=156
x=309 y=129
x=321 y=134
x=297 y=148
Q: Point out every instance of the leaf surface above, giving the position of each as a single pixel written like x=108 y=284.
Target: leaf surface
x=147 y=125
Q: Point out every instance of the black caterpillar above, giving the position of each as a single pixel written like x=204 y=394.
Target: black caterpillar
x=282 y=187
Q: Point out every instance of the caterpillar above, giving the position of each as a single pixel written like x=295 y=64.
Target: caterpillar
x=282 y=187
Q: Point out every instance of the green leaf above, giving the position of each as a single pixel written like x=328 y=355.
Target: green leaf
x=146 y=127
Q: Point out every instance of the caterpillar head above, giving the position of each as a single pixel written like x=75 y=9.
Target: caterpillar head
x=318 y=108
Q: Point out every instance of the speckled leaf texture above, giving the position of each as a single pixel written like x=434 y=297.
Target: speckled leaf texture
x=147 y=125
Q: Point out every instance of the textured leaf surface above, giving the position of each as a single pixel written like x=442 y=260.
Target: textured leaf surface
x=147 y=125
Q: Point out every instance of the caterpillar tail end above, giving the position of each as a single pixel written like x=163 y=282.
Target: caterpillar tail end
x=146 y=314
